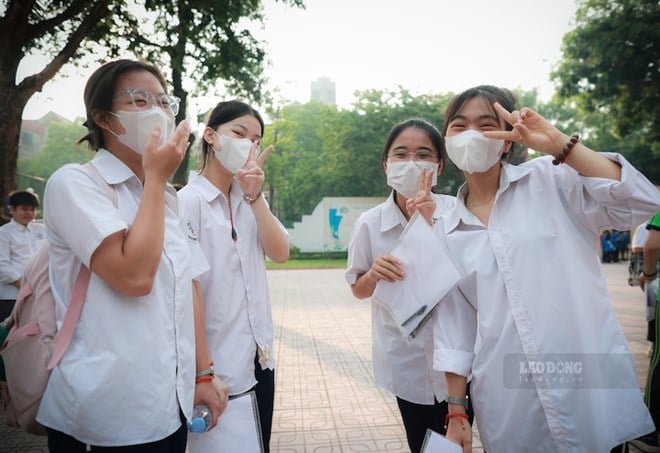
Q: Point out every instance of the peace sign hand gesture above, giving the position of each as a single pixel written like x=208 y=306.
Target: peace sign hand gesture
x=529 y=129
x=423 y=201
x=251 y=177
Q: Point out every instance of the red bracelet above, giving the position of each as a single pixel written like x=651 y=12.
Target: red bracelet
x=207 y=378
x=568 y=147
x=456 y=415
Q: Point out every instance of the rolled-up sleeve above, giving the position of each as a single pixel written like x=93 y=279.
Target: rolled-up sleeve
x=610 y=204
x=454 y=333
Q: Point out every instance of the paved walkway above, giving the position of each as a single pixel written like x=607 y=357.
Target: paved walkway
x=326 y=399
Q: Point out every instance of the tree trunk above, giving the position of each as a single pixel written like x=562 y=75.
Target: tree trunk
x=10 y=129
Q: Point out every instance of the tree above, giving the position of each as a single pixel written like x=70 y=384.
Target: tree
x=197 y=39
x=56 y=28
x=205 y=41
x=611 y=67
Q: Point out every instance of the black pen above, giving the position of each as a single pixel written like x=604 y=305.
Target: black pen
x=414 y=315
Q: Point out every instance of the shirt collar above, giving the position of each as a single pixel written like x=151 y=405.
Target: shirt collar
x=508 y=175
x=113 y=170
x=205 y=187
x=18 y=226
x=391 y=216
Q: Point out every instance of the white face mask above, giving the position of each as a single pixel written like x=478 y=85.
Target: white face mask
x=140 y=124
x=233 y=152
x=472 y=152
x=404 y=176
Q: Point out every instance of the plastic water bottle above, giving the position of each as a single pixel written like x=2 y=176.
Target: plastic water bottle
x=201 y=419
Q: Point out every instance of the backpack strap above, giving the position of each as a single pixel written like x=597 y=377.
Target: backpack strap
x=94 y=172
x=65 y=332
x=79 y=293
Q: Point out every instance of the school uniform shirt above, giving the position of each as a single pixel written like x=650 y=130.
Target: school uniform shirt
x=130 y=368
x=532 y=319
x=18 y=243
x=239 y=320
x=405 y=369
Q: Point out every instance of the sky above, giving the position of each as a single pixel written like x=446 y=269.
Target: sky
x=426 y=46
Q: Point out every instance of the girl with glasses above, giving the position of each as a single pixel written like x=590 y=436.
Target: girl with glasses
x=414 y=151
x=127 y=379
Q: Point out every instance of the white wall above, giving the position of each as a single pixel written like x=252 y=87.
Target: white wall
x=330 y=225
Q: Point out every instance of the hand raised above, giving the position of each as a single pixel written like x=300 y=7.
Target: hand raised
x=161 y=162
x=251 y=177
x=529 y=129
x=423 y=201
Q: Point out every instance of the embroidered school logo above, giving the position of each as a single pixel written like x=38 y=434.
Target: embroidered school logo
x=192 y=234
x=39 y=236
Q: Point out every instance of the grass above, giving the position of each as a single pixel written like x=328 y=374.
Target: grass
x=317 y=263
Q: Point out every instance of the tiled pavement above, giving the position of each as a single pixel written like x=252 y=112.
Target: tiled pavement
x=326 y=399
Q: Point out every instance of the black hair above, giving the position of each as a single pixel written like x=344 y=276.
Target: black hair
x=418 y=123
x=100 y=91
x=23 y=198
x=225 y=112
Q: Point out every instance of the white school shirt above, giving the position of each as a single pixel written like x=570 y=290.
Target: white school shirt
x=239 y=320
x=18 y=243
x=533 y=297
x=404 y=369
x=130 y=367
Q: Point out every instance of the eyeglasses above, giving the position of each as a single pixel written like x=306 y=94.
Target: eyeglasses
x=418 y=156
x=143 y=100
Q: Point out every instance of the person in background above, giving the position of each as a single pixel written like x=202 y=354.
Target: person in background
x=533 y=299
x=635 y=268
x=19 y=240
x=127 y=380
x=650 y=442
x=414 y=149
x=224 y=209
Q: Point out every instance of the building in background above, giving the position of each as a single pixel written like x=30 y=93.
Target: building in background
x=323 y=90
x=34 y=132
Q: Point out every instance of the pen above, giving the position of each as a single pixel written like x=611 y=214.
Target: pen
x=414 y=315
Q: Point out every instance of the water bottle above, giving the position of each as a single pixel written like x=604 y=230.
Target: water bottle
x=201 y=419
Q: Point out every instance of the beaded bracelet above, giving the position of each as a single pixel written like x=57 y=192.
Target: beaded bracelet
x=456 y=415
x=568 y=147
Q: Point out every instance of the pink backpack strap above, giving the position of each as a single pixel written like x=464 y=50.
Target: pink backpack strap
x=65 y=332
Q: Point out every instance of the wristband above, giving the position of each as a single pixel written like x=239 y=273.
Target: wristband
x=461 y=417
x=206 y=372
x=457 y=400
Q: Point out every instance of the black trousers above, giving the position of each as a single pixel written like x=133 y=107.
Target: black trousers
x=265 y=393
x=58 y=442
x=417 y=418
x=6 y=306
x=652 y=390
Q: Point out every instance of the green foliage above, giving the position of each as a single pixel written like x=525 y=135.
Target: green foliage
x=60 y=148
x=610 y=68
x=322 y=151
x=205 y=42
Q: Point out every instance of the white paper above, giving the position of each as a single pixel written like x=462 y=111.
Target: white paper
x=238 y=429
x=437 y=443
x=429 y=275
